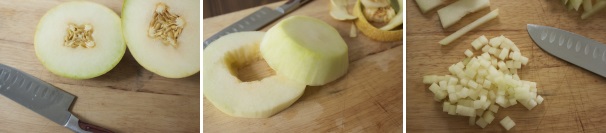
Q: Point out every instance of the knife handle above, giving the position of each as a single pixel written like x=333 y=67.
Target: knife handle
x=92 y=128
x=74 y=124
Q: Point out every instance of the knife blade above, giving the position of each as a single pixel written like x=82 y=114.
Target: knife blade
x=574 y=48
x=257 y=20
x=42 y=98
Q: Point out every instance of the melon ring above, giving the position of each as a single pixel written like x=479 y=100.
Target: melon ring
x=255 y=99
x=373 y=32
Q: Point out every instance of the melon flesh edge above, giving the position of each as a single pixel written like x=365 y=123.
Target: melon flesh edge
x=255 y=99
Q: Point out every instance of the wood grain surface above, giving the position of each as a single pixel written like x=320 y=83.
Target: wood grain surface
x=126 y=99
x=367 y=99
x=574 y=97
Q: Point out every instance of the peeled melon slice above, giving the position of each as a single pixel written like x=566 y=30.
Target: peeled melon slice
x=306 y=50
x=256 y=99
x=72 y=43
x=164 y=35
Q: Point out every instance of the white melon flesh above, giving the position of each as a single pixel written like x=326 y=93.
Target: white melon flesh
x=79 y=62
x=180 y=60
x=255 y=99
x=306 y=50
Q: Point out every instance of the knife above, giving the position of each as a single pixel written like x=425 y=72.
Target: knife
x=42 y=98
x=576 y=49
x=258 y=19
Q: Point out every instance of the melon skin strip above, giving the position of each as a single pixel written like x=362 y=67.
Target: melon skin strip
x=306 y=50
x=373 y=32
x=255 y=99
x=79 y=63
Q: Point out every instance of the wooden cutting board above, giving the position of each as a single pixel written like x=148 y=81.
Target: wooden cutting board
x=367 y=99
x=126 y=99
x=574 y=97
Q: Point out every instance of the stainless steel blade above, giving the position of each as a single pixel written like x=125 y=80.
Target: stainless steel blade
x=257 y=20
x=574 y=48
x=35 y=94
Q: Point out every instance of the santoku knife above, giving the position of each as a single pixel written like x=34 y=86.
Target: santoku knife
x=42 y=98
x=257 y=20
x=571 y=47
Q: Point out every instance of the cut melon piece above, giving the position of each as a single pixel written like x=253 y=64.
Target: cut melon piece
x=452 y=13
x=306 y=50
x=72 y=43
x=338 y=10
x=164 y=35
x=255 y=99
x=426 y=5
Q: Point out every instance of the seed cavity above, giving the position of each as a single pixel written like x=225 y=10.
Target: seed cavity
x=165 y=26
x=79 y=35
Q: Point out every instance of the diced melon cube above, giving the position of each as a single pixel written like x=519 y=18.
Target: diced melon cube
x=515 y=55
x=479 y=112
x=477 y=104
x=472 y=84
x=487 y=83
x=486 y=48
x=453 y=97
x=539 y=99
x=465 y=111
x=513 y=101
x=453 y=81
x=502 y=65
x=451 y=89
x=517 y=64
x=452 y=110
x=488 y=116
x=443 y=84
x=496 y=41
x=494 y=108
x=507 y=123
x=482 y=123
x=504 y=53
x=429 y=79
x=472 y=120
x=492 y=51
x=476 y=44
x=446 y=106
x=501 y=100
x=463 y=93
x=486 y=105
x=528 y=103
x=482 y=39
x=524 y=60
x=440 y=95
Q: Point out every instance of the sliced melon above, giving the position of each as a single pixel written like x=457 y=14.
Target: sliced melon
x=306 y=50
x=164 y=35
x=72 y=43
x=255 y=99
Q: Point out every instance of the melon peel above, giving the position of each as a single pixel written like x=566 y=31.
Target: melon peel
x=371 y=31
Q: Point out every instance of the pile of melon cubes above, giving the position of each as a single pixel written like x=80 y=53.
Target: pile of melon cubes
x=478 y=85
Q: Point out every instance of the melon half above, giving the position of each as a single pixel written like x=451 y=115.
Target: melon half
x=79 y=40
x=164 y=35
